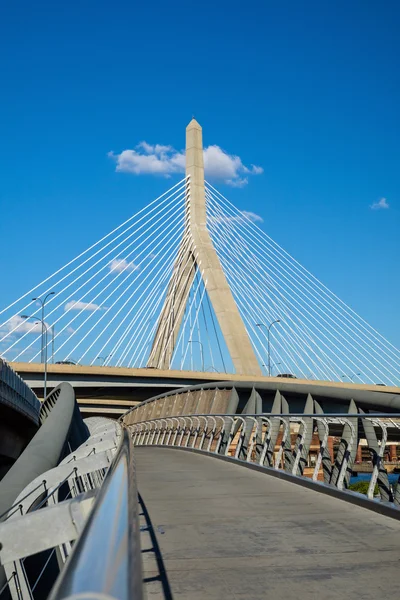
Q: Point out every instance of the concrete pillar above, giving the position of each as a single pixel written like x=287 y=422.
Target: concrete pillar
x=201 y=252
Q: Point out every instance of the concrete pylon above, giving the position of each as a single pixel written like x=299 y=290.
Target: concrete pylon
x=197 y=249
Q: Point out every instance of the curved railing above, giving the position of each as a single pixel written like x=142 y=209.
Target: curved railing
x=265 y=439
x=62 y=430
x=107 y=558
x=275 y=396
x=81 y=519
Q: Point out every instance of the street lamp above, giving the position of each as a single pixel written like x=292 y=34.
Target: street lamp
x=104 y=358
x=351 y=377
x=275 y=365
x=201 y=351
x=268 y=328
x=44 y=328
x=52 y=344
x=42 y=302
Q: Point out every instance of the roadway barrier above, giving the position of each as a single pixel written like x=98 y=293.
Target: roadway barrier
x=16 y=394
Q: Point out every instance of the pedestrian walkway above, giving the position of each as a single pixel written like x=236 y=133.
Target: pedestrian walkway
x=219 y=530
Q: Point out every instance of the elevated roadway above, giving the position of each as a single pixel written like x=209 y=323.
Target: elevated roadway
x=220 y=530
x=114 y=390
x=19 y=416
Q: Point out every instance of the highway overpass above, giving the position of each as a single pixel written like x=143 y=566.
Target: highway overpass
x=114 y=390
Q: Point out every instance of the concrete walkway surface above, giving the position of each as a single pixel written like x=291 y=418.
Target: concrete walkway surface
x=217 y=530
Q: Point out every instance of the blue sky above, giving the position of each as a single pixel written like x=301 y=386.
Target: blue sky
x=309 y=92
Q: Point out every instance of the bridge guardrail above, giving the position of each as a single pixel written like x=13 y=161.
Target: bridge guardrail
x=81 y=515
x=253 y=438
x=17 y=394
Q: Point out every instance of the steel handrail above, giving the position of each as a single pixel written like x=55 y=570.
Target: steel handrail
x=106 y=558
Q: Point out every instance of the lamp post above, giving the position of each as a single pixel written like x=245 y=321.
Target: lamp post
x=201 y=351
x=104 y=358
x=44 y=330
x=275 y=365
x=268 y=328
x=351 y=377
x=52 y=344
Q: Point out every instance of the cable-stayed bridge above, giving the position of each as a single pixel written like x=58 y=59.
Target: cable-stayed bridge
x=191 y=283
x=255 y=397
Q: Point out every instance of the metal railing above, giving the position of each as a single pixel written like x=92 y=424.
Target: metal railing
x=83 y=513
x=253 y=438
x=107 y=558
x=17 y=394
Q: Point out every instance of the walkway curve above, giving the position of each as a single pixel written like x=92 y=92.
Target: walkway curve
x=224 y=531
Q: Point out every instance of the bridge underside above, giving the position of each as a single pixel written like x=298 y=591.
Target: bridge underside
x=111 y=391
x=225 y=531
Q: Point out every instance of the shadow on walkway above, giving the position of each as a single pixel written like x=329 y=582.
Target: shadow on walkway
x=146 y=526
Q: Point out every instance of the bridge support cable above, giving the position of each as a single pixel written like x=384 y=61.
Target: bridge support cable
x=148 y=315
x=265 y=300
x=147 y=318
x=247 y=302
x=305 y=309
x=233 y=214
x=145 y=314
x=260 y=284
x=194 y=325
x=125 y=269
x=335 y=340
x=134 y=217
x=147 y=309
x=160 y=263
x=190 y=281
x=179 y=190
x=308 y=279
x=125 y=284
x=171 y=315
x=183 y=310
x=133 y=257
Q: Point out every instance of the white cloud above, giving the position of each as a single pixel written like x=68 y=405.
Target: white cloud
x=244 y=216
x=382 y=204
x=252 y=216
x=22 y=326
x=239 y=182
x=148 y=159
x=77 y=305
x=121 y=264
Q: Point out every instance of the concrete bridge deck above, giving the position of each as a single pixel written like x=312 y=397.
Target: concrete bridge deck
x=224 y=531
